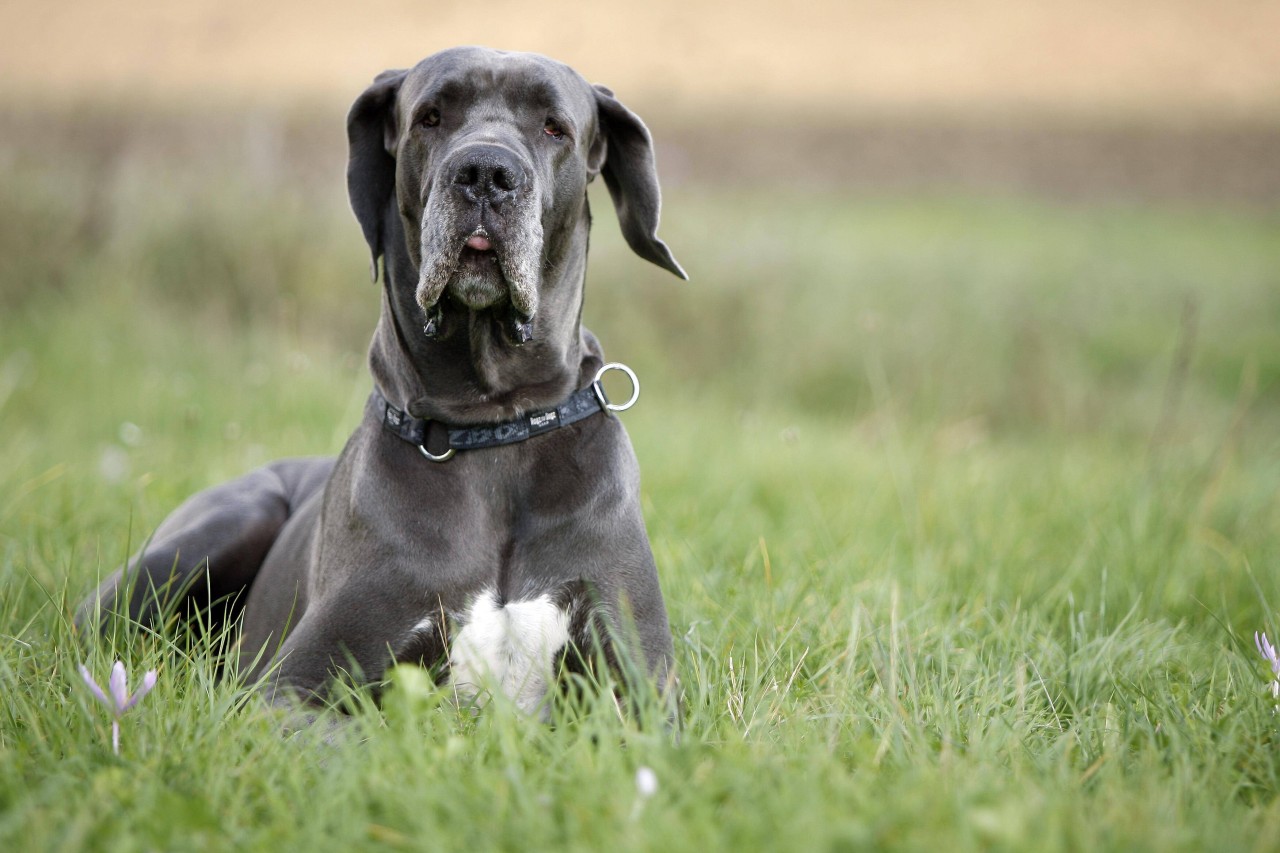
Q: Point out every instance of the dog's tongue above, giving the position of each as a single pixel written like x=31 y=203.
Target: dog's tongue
x=479 y=242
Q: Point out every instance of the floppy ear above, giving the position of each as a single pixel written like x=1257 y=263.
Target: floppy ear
x=371 y=170
x=632 y=178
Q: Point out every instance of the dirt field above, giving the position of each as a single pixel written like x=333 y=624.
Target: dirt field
x=752 y=58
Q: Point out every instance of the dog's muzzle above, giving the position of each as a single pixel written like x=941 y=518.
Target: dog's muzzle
x=481 y=236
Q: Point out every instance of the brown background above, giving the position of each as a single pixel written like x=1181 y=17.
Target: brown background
x=1133 y=99
x=1180 y=58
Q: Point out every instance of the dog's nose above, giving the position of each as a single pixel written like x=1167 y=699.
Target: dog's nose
x=489 y=173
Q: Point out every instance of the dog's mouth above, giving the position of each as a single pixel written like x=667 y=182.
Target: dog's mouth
x=478 y=242
x=479 y=264
x=479 y=280
x=478 y=259
x=478 y=256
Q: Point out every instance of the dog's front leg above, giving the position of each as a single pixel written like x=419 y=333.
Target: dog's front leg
x=636 y=631
x=347 y=637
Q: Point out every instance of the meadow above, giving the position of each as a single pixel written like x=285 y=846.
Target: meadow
x=965 y=507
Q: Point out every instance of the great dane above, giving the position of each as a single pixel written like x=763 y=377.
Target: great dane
x=484 y=518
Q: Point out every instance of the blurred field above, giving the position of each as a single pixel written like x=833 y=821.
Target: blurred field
x=960 y=448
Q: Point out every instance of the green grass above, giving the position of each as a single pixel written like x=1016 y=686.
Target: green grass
x=956 y=557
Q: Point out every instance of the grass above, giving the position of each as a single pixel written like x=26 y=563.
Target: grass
x=957 y=554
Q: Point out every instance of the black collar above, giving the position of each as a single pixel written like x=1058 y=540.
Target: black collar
x=439 y=441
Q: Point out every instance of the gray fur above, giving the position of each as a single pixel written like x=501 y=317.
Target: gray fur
x=347 y=565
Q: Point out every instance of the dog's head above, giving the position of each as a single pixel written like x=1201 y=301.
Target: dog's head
x=485 y=157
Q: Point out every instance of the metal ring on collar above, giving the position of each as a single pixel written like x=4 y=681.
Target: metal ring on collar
x=443 y=457
x=599 y=389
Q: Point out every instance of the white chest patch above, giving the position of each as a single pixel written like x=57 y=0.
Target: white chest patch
x=508 y=648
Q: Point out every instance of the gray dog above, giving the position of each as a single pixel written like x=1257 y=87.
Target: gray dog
x=484 y=519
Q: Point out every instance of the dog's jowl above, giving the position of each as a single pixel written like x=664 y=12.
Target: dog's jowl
x=487 y=502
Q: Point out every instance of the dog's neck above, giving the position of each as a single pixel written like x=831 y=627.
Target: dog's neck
x=473 y=372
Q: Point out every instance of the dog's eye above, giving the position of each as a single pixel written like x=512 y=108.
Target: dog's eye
x=553 y=129
x=430 y=118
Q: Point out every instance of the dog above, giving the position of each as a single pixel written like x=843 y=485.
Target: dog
x=484 y=518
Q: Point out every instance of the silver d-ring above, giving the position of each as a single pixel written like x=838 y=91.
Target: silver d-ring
x=443 y=457
x=599 y=389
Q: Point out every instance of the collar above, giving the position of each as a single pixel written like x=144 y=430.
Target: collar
x=439 y=441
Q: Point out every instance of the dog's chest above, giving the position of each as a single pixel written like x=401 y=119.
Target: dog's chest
x=507 y=647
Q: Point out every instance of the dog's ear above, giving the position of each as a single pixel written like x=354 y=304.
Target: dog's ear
x=371 y=168
x=623 y=151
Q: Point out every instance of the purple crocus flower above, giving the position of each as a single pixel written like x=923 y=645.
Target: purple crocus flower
x=1268 y=651
x=119 y=701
